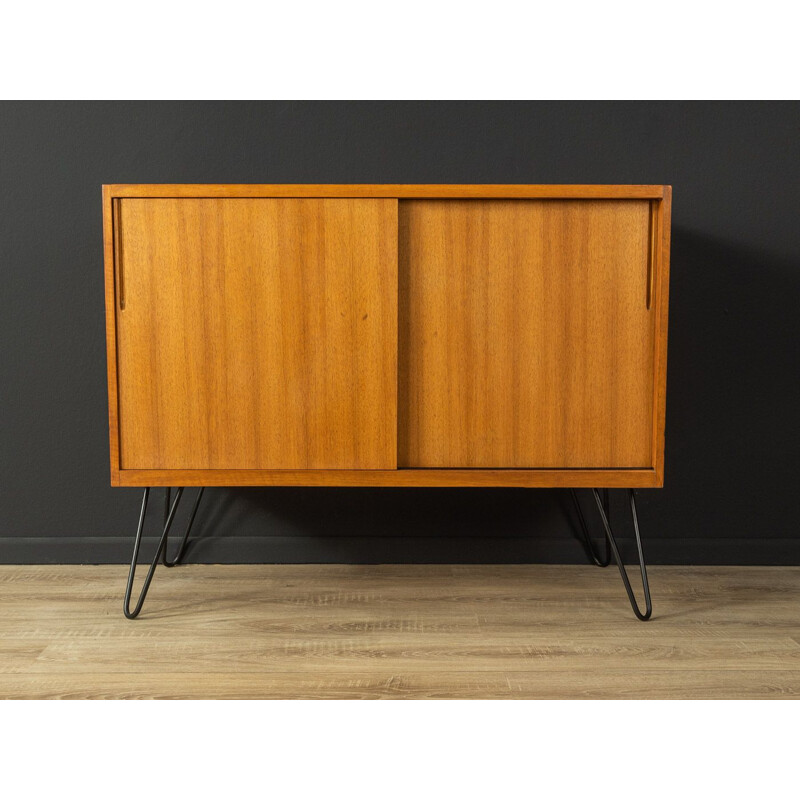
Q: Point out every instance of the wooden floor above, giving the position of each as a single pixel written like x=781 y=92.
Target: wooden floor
x=399 y=632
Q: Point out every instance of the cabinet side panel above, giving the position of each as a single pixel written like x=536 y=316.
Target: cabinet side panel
x=109 y=256
x=662 y=316
x=525 y=337
x=258 y=334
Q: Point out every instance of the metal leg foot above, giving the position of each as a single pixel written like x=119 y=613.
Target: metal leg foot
x=161 y=550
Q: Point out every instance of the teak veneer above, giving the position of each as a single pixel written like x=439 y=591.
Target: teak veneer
x=380 y=335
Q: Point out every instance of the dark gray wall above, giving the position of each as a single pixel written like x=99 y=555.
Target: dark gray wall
x=733 y=440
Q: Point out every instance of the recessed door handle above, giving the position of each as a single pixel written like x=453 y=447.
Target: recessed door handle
x=117 y=223
x=653 y=252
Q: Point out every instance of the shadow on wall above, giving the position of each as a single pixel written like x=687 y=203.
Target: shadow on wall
x=724 y=471
x=387 y=525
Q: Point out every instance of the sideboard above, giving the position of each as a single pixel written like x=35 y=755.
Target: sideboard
x=387 y=335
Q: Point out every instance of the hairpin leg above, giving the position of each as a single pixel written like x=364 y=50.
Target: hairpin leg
x=161 y=550
x=623 y=573
x=182 y=549
x=606 y=560
x=611 y=544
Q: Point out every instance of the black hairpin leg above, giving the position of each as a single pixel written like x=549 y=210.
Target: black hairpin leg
x=161 y=551
x=182 y=549
x=611 y=544
x=604 y=562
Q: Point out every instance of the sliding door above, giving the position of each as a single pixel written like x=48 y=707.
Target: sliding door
x=526 y=334
x=256 y=333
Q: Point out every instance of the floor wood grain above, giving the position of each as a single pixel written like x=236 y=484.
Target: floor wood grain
x=336 y=631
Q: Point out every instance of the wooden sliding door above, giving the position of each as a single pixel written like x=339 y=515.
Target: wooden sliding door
x=526 y=334
x=256 y=333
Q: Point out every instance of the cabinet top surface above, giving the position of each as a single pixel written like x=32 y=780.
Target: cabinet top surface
x=390 y=190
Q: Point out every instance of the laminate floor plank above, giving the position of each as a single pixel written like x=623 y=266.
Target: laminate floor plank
x=410 y=631
x=618 y=685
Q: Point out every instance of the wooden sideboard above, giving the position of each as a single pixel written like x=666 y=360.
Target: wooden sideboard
x=381 y=335
x=386 y=335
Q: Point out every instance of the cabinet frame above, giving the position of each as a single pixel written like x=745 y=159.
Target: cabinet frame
x=660 y=198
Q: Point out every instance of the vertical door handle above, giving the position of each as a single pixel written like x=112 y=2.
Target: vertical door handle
x=652 y=255
x=116 y=219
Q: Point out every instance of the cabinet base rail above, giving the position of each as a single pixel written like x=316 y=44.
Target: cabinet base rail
x=603 y=506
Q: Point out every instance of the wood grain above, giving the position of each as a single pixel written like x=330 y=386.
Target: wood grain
x=109 y=265
x=530 y=478
x=400 y=631
x=652 y=684
x=306 y=461
x=525 y=337
x=258 y=334
x=397 y=190
x=661 y=255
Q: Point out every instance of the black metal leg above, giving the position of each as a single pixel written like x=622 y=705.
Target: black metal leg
x=182 y=549
x=606 y=560
x=604 y=515
x=161 y=550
